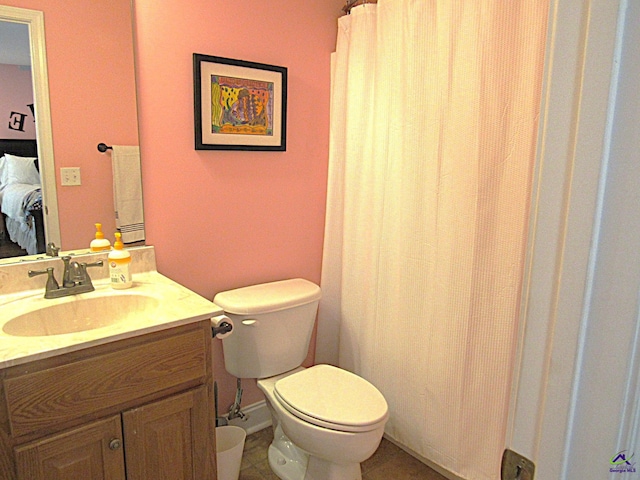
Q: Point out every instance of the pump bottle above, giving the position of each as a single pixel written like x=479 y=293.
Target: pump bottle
x=99 y=244
x=119 y=265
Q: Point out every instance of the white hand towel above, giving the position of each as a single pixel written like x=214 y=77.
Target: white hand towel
x=127 y=192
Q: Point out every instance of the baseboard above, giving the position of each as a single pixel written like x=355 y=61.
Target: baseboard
x=256 y=418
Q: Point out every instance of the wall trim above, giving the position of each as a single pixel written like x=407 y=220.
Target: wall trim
x=257 y=417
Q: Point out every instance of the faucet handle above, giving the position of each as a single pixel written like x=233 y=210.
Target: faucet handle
x=99 y=263
x=85 y=278
x=52 y=284
x=33 y=273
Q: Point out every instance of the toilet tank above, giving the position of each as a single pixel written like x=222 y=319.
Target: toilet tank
x=273 y=323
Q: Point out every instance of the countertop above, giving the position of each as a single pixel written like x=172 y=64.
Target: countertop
x=176 y=306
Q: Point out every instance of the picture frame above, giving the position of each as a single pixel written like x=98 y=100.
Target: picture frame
x=239 y=105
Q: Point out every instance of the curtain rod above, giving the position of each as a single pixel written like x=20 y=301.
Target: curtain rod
x=354 y=3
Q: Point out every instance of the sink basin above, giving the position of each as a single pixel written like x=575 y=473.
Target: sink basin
x=78 y=314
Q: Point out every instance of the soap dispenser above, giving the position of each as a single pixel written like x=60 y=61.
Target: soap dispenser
x=119 y=262
x=99 y=244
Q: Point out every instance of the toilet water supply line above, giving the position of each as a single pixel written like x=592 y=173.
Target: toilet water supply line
x=219 y=330
x=234 y=410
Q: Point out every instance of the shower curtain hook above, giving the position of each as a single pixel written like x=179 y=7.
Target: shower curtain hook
x=349 y=4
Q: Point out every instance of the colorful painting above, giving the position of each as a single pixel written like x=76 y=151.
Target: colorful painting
x=242 y=105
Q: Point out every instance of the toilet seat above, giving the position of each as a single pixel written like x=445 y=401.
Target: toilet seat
x=333 y=398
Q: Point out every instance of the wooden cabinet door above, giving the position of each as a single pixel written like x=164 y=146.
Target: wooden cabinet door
x=90 y=452
x=169 y=439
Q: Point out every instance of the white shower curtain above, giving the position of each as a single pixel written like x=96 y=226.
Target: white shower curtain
x=434 y=117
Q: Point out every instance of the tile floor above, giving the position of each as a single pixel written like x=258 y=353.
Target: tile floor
x=389 y=462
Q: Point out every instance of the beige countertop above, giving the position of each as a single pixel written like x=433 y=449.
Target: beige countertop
x=176 y=305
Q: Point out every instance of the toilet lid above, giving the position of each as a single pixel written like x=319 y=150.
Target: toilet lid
x=333 y=398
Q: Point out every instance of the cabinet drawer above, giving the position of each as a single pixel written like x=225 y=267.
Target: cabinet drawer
x=46 y=399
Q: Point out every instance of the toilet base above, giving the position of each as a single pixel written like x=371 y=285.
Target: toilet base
x=288 y=462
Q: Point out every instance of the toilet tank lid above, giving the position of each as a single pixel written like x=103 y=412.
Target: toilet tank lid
x=268 y=297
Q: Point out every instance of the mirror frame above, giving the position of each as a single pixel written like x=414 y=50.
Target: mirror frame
x=34 y=19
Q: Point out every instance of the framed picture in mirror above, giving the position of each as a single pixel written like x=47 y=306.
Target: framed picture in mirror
x=239 y=105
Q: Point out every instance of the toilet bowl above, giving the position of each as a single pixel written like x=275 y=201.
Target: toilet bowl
x=326 y=420
x=333 y=416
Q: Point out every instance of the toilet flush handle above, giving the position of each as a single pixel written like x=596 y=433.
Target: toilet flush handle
x=250 y=322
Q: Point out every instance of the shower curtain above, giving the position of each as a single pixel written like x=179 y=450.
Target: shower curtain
x=434 y=118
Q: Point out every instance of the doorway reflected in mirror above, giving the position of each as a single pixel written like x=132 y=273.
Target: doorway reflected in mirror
x=92 y=101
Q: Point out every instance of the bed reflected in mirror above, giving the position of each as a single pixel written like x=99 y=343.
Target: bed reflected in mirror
x=22 y=225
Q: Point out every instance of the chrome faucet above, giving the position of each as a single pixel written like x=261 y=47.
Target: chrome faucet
x=75 y=279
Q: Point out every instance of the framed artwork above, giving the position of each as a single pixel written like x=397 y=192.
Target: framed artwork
x=239 y=105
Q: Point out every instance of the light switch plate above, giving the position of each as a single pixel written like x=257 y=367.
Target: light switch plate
x=70 y=176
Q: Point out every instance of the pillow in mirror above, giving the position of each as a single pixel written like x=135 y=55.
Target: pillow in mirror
x=20 y=170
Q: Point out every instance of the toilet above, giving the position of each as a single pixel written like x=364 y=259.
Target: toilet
x=326 y=420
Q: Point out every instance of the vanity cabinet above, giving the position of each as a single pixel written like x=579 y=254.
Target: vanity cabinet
x=93 y=451
x=135 y=409
x=165 y=439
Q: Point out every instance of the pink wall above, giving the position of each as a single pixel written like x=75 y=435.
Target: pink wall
x=16 y=94
x=92 y=93
x=221 y=220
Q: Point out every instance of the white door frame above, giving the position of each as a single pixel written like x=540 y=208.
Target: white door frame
x=582 y=62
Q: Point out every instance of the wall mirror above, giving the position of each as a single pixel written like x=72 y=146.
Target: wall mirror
x=83 y=95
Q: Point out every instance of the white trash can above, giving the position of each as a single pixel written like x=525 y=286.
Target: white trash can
x=229 y=447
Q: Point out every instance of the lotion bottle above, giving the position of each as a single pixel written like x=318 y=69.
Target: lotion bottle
x=119 y=265
x=99 y=244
